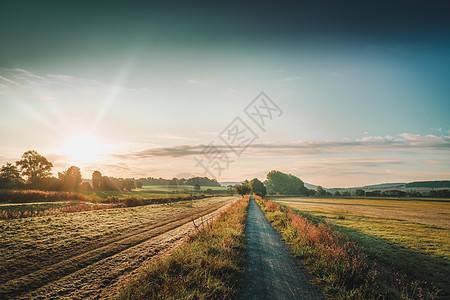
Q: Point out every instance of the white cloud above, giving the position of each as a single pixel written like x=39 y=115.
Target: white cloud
x=403 y=142
x=196 y=81
x=287 y=80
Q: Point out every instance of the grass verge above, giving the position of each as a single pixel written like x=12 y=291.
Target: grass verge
x=339 y=266
x=208 y=266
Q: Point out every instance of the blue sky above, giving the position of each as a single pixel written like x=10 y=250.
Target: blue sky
x=138 y=90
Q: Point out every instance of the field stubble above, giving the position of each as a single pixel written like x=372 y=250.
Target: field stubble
x=39 y=251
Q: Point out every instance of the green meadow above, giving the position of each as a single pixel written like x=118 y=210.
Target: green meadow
x=410 y=236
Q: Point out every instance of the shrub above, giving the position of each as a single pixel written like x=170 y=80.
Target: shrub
x=27 y=196
x=132 y=201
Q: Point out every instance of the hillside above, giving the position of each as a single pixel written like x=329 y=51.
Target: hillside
x=435 y=184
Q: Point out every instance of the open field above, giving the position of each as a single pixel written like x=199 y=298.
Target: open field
x=412 y=237
x=37 y=252
x=179 y=188
x=425 y=211
x=38 y=206
x=209 y=266
x=138 y=193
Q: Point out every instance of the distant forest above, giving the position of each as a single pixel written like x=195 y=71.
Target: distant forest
x=33 y=171
x=201 y=181
x=429 y=184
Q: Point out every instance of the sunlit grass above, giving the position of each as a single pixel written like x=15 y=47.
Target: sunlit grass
x=429 y=239
x=209 y=266
x=346 y=268
x=30 y=243
x=426 y=211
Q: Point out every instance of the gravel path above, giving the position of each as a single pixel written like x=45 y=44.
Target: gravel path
x=272 y=273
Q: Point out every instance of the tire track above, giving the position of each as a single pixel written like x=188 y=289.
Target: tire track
x=103 y=279
x=56 y=271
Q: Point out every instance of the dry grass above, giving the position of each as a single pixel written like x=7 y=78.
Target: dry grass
x=339 y=265
x=419 y=250
x=20 y=204
x=209 y=266
x=27 y=211
x=427 y=211
x=27 y=196
x=28 y=245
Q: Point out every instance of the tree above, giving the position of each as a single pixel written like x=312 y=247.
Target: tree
x=337 y=194
x=10 y=176
x=96 y=180
x=85 y=187
x=287 y=184
x=50 y=184
x=243 y=189
x=110 y=184
x=320 y=191
x=360 y=192
x=197 y=188
x=231 y=190
x=257 y=187
x=34 y=167
x=130 y=184
x=70 y=179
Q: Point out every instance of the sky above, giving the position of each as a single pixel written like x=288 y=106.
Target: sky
x=355 y=92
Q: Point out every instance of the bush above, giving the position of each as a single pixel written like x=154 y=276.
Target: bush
x=132 y=201
x=27 y=196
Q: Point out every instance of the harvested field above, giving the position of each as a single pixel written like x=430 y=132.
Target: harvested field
x=81 y=254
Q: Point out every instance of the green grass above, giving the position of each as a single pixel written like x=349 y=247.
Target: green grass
x=420 y=251
x=209 y=266
x=138 y=193
x=349 y=264
x=33 y=196
x=33 y=203
x=435 y=212
x=179 y=189
x=40 y=206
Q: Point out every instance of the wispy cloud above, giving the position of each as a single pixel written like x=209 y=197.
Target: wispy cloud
x=9 y=81
x=196 y=81
x=290 y=79
x=404 y=141
x=27 y=84
x=58 y=101
x=287 y=80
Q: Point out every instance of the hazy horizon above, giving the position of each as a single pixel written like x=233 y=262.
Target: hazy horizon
x=142 y=89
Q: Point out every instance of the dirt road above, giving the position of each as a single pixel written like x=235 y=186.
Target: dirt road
x=272 y=273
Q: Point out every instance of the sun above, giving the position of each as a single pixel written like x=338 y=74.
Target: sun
x=83 y=148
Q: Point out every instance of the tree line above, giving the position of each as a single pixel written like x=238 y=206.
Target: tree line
x=33 y=171
x=276 y=183
x=201 y=181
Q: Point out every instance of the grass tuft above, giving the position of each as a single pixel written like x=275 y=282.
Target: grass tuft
x=208 y=266
x=339 y=266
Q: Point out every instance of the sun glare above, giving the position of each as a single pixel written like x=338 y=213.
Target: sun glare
x=83 y=148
